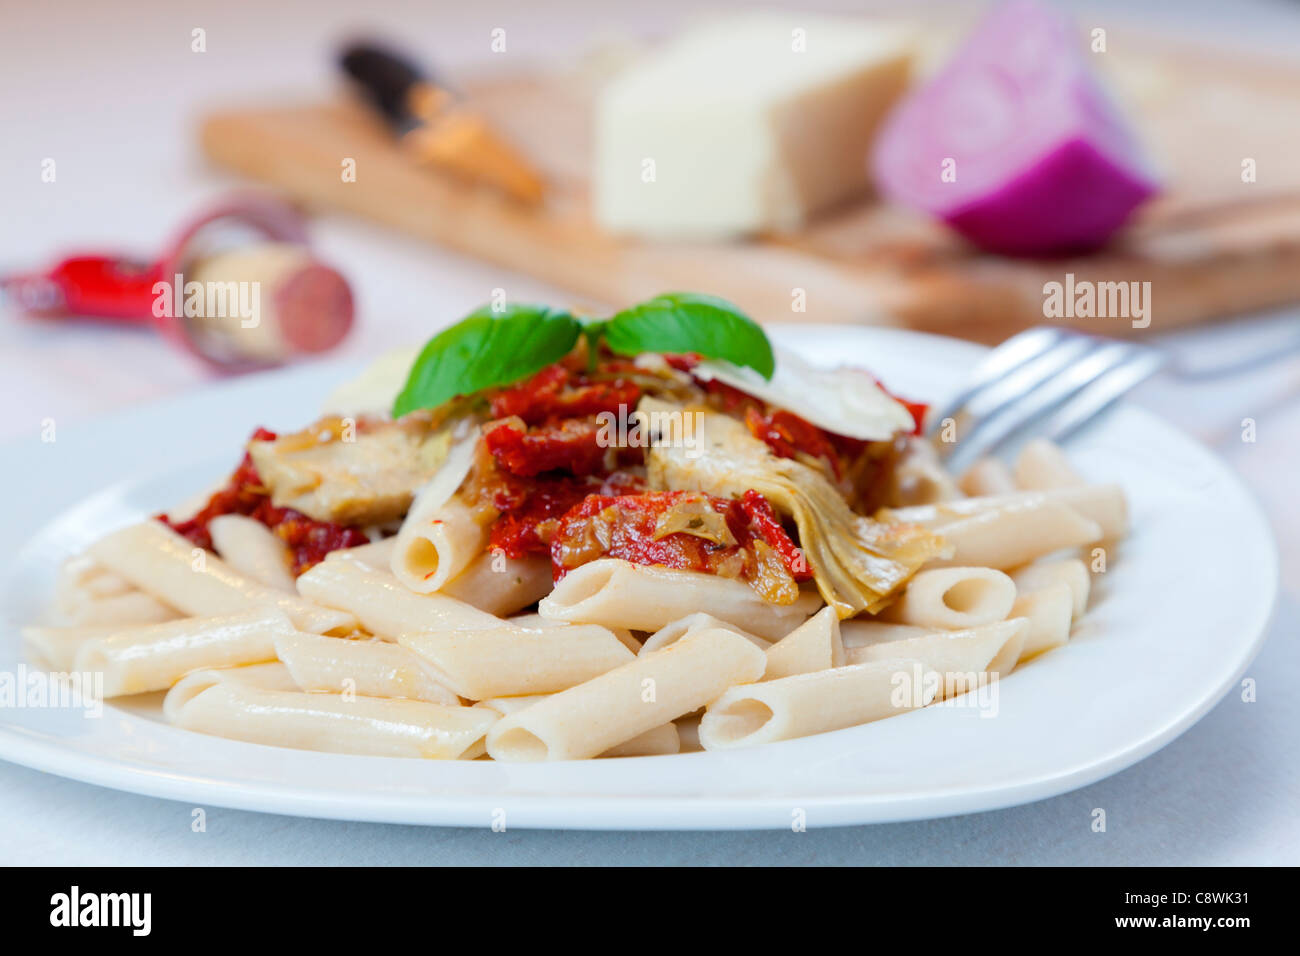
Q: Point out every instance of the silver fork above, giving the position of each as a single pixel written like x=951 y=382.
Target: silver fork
x=1047 y=381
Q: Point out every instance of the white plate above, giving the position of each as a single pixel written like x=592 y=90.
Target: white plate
x=1173 y=625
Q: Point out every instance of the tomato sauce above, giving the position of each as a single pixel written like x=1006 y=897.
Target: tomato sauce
x=565 y=390
x=788 y=435
x=573 y=446
x=744 y=539
x=764 y=524
x=308 y=540
x=548 y=453
x=531 y=509
x=557 y=488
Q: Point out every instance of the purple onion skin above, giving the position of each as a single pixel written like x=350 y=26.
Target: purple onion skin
x=1070 y=202
x=1047 y=165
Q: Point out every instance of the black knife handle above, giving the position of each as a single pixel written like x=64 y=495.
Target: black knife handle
x=386 y=79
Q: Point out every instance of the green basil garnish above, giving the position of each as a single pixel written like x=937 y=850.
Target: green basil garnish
x=488 y=348
x=686 y=322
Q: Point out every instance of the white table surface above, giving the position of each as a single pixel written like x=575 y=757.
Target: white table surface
x=111 y=97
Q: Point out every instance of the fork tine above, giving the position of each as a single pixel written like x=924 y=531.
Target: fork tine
x=1014 y=353
x=1041 y=371
x=999 y=396
x=1084 y=367
x=1139 y=365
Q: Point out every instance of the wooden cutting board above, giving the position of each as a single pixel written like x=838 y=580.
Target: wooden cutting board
x=1212 y=246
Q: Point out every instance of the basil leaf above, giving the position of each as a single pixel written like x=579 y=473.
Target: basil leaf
x=486 y=349
x=687 y=322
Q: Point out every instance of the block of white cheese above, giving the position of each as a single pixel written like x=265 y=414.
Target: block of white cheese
x=744 y=124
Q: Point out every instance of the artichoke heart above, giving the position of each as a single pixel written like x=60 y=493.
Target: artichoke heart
x=857 y=562
x=366 y=473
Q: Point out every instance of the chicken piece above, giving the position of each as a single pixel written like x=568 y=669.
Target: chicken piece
x=366 y=473
x=858 y=563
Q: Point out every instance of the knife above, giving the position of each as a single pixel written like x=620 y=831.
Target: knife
x=434 y=125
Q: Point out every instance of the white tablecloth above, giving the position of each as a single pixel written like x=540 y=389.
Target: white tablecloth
x=111 y=97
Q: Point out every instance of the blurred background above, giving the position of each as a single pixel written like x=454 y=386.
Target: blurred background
x=515 y=167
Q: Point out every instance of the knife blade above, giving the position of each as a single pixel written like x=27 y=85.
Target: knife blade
x=435 y=125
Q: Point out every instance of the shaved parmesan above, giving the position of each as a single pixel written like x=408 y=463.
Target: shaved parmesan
x=437 y=491
x=374 y=390
x=846 y=401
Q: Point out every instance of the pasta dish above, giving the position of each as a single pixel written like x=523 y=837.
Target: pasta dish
x=548 y=537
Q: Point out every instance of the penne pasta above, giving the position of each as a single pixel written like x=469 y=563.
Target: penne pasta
x=920 y=479
x=135 y=660
x=87 y=593
x=252 y=548
x=625 y=637
x=57 y=646
x=676 y=630
x=813 y=646
x=382 y=604
x=958 y=657
x=504 y=706
x=647 y=598
x=510 y=661
x=377 y=554
x=440 y=535
x=500 y=585
x=858 y=631
x=815 y=703
x=1048 y=611
x=688 y=733
x=82 y=579
x=535 y=620
x=628 y=701
x=370 y=668
x=657 y=741
x=953 y=598
x=1103 y=504
x=508 y=705
x=1041 y=465
x=162 y=563
x=133 y=607
x=269 y=676
x=333 y=723
x=988 y=476
x=1071 y=572
x=1018 y=533
x=431 y=552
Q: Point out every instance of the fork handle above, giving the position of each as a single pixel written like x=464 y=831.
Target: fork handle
x=1261 y=359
